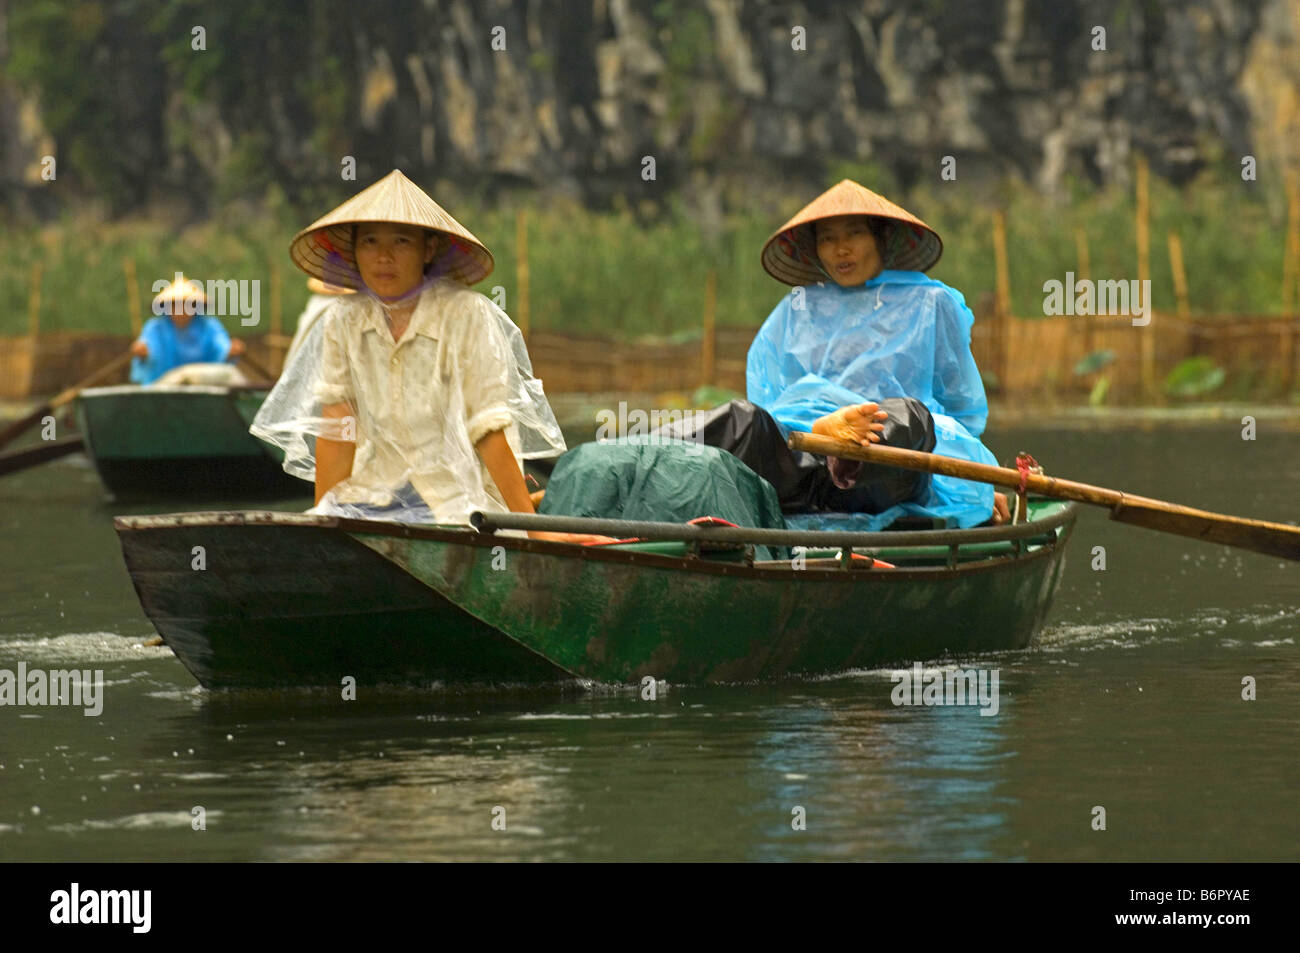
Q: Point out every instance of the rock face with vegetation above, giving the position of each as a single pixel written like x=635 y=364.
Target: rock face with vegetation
x=144 y=100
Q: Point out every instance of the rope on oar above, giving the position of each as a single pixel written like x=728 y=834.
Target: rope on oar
x=1026 y=464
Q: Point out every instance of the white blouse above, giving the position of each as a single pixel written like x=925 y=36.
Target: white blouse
x=417 y=405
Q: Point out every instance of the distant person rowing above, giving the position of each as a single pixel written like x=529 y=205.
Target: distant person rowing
x=180 y=335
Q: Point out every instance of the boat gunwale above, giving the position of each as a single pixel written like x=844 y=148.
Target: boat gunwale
x=651 y=532
x=1045 y=534
x=822 y=539
x=171 y=390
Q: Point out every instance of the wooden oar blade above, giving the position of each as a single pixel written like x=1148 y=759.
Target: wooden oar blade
x=17 y=428
x=1270 y=539
x=15 y=460
x=258 y=368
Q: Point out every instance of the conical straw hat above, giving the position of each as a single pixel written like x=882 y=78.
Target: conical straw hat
x=181 y=289
x=324 y=248
x=790 y=255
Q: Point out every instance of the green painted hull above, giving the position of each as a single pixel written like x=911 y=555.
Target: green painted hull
x=190 y=442
x=296 y=600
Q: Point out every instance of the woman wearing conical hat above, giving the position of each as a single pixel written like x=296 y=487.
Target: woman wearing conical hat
x=864 y=348
x=180 y=334
x=412 y=399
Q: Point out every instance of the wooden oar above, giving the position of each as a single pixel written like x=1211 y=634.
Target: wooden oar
x=257 y=368
x=11 y=461
x=17 y=428
x=1272 y=539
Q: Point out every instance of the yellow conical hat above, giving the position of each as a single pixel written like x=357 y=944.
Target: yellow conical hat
x=324 y=248
x=180 y=290
x=790 y=255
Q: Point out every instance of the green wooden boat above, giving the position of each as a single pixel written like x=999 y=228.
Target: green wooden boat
x=191 y=441
x=287 y=599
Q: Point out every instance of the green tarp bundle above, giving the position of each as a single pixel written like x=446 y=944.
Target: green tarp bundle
x=664 y=481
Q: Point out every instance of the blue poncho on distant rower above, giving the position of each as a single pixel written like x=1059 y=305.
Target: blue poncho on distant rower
x=901 y=334
x=202 y=340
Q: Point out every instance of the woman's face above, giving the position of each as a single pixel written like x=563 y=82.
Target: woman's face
x=391 y=258
x=848 y=249
x=182 y=310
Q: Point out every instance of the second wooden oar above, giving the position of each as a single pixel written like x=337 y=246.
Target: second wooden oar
x=258 y=368
x=1272 y=539
x=11 y=461
x=18 y=427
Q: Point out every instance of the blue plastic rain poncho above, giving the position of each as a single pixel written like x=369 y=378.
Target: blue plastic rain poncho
x=901 y=334
x=203 y=340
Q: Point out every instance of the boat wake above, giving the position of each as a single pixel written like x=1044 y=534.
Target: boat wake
x=1262 y=627
x=79 y=649
x=134 y=822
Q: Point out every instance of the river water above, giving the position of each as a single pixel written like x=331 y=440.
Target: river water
x=1131 y=702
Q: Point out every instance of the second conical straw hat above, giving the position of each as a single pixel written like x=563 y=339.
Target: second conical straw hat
x=324 y=248
x=181 y=289
x=790 y=255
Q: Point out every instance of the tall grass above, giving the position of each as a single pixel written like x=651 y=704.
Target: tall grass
x=620 y=274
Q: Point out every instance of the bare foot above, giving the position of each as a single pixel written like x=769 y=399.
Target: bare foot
x=858 y=423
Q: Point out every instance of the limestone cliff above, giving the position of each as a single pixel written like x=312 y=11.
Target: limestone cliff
x=572 y=95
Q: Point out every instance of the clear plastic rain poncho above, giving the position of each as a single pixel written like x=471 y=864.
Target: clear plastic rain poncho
x=414 y=408
x=900 y=334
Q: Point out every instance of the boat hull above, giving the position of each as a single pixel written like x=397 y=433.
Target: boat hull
x=289 y=599
x=283 y=606
x=193 y=442
x=623 y=620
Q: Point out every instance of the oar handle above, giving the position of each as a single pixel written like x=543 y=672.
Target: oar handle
x=257 y=367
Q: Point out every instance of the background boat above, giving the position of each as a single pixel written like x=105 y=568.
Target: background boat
x=181 y=441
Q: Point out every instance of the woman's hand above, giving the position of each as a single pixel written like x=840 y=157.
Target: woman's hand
x=140 y=350
x=504 y=470
x=236 y=347
x=858 y=423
